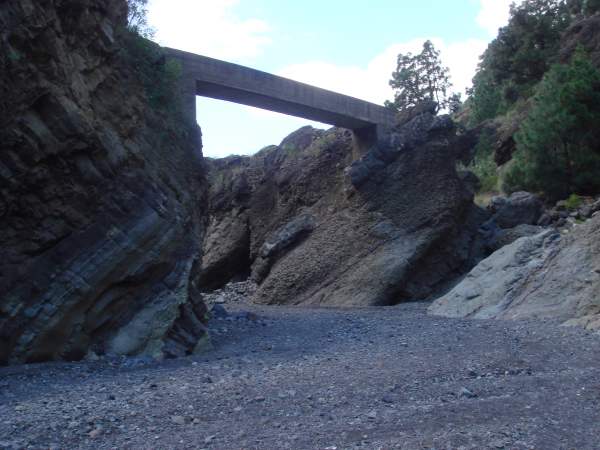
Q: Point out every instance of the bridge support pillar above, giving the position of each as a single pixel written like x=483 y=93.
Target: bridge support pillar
x=365 y=138
x=187 y=98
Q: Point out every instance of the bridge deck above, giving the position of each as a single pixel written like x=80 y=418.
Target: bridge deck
x=231 y=82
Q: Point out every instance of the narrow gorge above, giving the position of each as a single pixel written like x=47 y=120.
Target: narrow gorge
x=338 y=290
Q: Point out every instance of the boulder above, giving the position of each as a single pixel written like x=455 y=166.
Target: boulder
x=544 y=276
x=503 y=237
x=517 y=209
x=424 y=107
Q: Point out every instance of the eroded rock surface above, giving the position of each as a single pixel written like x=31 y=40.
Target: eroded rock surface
x=545 y=276
x=100 y=195
x=315 y=225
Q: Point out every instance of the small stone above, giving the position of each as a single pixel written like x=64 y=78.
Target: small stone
x=387 y=399
x=95 y=432
x=179 y=420
x=464 y=392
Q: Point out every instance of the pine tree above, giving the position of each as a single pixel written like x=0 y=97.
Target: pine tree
x=522 y=53
x=420 y=77
x=558 y=145
x=137 y=18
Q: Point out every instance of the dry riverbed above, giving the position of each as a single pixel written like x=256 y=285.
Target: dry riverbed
x=292 y=378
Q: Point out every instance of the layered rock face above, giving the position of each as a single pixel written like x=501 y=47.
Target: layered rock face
x=545 y=276
x=100 y=197
x=313 y=227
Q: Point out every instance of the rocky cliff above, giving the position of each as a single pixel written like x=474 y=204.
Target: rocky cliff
x=101 y=192
x=313 y=226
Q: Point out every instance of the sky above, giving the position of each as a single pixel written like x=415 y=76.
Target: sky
x=349 y=47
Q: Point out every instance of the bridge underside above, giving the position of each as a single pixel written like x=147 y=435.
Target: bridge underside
x=221 y=80
x=220 y=92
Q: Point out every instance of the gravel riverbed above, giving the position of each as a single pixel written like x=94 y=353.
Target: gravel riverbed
x=300 y=378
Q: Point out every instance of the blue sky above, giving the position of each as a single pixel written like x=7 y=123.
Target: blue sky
x=348 y=47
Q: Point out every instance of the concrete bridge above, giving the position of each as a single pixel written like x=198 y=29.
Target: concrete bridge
x=221 y=80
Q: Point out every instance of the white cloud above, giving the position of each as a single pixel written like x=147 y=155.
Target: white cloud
x=208 y=27
x=371 y=82
x=214 y=28
x=493 y=14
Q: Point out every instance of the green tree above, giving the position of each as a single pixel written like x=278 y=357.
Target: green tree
x=558 y=145
x=485 y=97
x=584 y=7
x=137 y=18
x=522 y=53
x=420 y=77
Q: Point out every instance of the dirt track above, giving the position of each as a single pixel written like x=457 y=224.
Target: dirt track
x=324 y=379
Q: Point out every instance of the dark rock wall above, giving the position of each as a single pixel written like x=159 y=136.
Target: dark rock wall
x=399 y=224
x=101 y=200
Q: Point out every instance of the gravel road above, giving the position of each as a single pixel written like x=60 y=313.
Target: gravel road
x=297 y=378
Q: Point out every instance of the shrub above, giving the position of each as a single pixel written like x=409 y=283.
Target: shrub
x=159 y=76
x=483 y=164
x=573 y=202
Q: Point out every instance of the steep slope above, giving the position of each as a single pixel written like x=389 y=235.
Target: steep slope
x=314 y=227
x=101 y=194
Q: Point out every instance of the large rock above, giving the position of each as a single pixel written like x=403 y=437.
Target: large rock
x=100 y=193
x=520 y=208
x=397 y=224
x=544 y=276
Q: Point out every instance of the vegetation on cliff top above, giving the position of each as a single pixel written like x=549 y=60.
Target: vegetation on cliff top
x=557 y=147
x=421 y=77
x=159 y=75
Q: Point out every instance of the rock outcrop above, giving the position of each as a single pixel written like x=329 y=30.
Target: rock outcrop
x=520 y=208
x=584 y=33
x=100 y=194
x=315 y=226
x=544 y=276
